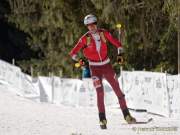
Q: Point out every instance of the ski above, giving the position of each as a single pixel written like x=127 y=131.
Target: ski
x=140 y=122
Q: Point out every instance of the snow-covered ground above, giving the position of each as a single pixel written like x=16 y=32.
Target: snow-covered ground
x=20 y=116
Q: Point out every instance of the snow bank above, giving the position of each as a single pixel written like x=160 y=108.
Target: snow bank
x=20 y=116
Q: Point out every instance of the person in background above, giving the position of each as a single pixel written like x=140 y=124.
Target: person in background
x=94 y=47
x=84 y=66
x=86 y=71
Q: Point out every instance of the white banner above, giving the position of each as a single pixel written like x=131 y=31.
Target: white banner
x=146 y=90
x=11 y=74
x=87 y=93
x=56 y=90
x=156 y=92
x=174 y=95
x=132 y=88
x=66 y=91
x=77 y=92
x=45 y=87
x=30 y=87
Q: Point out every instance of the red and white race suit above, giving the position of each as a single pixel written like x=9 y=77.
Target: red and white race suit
x=90 y=49
x=95 y=50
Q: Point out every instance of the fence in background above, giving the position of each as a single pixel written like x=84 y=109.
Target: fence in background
x=155 y=92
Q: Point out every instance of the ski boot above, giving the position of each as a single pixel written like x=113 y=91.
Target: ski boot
x=130 y=120
x=102 y=121
x=127 y=116
x=103 y=124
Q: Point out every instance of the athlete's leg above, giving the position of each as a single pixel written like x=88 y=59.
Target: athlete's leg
x=96 y=75
x=110 y=76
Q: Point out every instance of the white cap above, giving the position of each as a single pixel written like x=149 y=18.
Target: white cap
x=89 y=19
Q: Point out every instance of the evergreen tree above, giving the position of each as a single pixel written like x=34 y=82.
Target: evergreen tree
x=53 y=27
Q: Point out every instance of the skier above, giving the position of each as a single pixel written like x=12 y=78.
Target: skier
x=94 y=46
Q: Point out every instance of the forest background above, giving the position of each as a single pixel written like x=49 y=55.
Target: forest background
x=39 y=34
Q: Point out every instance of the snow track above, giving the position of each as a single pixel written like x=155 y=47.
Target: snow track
x=20 y=116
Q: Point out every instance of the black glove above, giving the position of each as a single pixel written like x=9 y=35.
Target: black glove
x=120 y=59
x=82 y=62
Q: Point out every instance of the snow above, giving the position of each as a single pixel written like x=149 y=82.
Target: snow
x=21 y=116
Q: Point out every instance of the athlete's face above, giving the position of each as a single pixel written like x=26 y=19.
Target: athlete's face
x=92 y=27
